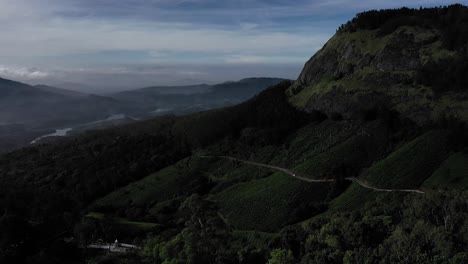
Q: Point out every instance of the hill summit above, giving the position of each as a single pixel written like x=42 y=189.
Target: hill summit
x=412 y=61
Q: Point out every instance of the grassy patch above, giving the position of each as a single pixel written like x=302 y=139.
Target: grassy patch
x=326 y=163
x=411 y=164
x=405 y=168
x=143 y=226
x=300 y=100
x=344 y=152
x=365 y=40
x=311 y=141
x=154 y=188
x=353 y=198
x=325 y=86
x=268 y=204
x=452 y=174
x=182 y=178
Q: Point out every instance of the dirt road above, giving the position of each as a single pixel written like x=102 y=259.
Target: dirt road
x=302 y=178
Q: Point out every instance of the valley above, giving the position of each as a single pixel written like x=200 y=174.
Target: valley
x=42 y=109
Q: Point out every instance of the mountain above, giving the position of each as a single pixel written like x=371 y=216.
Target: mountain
x=165 y=90
x=29 y=112
x=44 y=106
x=182 y=98
x=61 y=91
x=85 y=88
x=332 y=168
x=411 y=61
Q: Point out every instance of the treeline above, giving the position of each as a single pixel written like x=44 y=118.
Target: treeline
x=452 y=21
x=413 y=229
x=396 y=229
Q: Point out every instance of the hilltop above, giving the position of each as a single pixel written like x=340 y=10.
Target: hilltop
x=411 y=61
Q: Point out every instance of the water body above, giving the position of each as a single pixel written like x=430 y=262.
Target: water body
x=116 y=117
x=161 y=110
x=64 y=132
x=110 y=118
x=58 y=133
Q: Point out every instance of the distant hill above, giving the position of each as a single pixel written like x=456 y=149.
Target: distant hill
x=165 y=90
x=45 y=106
x=28 y=112
x=181 y=98
x=61 y=91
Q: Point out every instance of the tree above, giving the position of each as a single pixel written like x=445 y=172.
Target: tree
x=205 y=238
x=281 y=256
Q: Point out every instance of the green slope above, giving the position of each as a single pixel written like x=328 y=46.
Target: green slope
x=405 y=168
x=270 y=203
x=411 y=164
x=452 y=174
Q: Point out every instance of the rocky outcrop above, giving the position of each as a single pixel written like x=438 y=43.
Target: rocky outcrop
x=346 y=53
x=358 y=71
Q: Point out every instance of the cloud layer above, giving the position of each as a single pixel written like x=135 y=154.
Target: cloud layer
x=77 y=34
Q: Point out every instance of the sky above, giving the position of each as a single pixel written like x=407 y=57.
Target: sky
x=123 y=44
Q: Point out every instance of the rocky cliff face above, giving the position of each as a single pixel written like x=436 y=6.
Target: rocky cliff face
x=357 y=71
x=349 y=53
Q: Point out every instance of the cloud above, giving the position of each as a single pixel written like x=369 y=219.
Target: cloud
x=47 y=28
x=24 y=73
x=108 y=38
x=255 y=59
x=61 y=37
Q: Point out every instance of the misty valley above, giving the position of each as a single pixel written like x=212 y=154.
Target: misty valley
x=30 y=114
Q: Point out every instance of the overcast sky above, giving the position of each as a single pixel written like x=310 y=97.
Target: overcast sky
x=133 y=43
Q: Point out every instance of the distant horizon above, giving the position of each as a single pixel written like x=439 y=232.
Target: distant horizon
x=89 y=88
x=132 y=44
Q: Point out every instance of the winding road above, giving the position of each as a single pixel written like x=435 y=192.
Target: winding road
x=290 y=173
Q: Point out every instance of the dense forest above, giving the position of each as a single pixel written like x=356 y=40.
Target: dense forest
x=452 y=21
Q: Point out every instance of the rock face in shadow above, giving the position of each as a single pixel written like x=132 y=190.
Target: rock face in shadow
x=345 y=54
